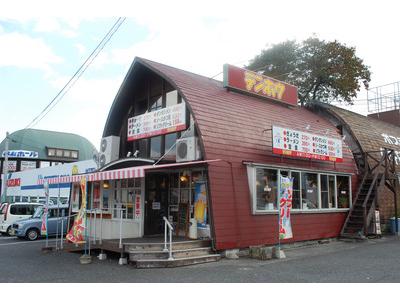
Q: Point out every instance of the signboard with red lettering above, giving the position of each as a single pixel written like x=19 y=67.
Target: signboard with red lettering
x=138 y=209
x=162 y=121
x=296 y=143
x=260 y=85
x=13 y=182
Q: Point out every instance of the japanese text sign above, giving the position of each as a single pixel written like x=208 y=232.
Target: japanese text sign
x=254 y=83
x=295 y=143
x=285 y=206
x=21 y=153
x=162 y=121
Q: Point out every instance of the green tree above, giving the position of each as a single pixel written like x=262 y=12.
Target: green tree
x=322 y=71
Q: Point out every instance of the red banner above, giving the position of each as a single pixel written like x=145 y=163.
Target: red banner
x=254 y=83
x=75 y=235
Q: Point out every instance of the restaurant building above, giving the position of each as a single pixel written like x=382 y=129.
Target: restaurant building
x=184 y=146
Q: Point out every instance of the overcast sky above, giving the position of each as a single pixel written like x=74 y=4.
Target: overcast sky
x=44 y=43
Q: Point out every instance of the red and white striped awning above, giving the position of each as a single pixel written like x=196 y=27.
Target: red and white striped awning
x=133 y=172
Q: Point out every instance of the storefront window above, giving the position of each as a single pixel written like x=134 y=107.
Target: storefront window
x=309 y=190
x=267 y=189
x=296 y=190
x=343 y=191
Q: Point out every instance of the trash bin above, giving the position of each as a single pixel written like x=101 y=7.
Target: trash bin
x=193 y=229
x=393 y=225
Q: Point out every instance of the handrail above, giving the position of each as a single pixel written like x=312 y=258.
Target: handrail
x=167 y=223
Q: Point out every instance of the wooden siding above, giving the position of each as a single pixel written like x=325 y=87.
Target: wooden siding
x=236 y=128
x=368 y=132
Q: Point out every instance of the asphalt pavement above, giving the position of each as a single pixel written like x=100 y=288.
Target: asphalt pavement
x=375 y=260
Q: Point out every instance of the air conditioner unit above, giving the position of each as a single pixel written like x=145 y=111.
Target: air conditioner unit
x=109 y=150
x=187 y=149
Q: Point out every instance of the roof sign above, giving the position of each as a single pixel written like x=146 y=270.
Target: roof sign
x=256 y=84
x=21 y=154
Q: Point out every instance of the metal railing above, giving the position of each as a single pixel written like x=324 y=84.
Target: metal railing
x=168 y=224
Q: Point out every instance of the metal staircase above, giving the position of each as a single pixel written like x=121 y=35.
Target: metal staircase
x=378 y=168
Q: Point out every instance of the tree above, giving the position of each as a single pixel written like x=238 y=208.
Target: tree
x=322 y=71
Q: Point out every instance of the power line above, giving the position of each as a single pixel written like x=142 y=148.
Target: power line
x=77 y=74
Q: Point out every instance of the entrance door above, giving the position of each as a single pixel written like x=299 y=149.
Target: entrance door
x=156 y=204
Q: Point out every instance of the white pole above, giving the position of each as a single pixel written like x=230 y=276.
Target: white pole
x=165 y=237
x=5 y=171
x=101 y=225
x=95 y=219
x=170 y=245
x=62 y=232
x=120 y=231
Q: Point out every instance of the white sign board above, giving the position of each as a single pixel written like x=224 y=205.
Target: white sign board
x=27 y=165
x=21 y=154
x=286 y=141
x=162 y=121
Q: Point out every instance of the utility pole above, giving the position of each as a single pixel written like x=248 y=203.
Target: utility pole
x=5 y=172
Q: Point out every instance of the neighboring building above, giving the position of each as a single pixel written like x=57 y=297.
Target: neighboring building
x=368 y=135
x=34 y=148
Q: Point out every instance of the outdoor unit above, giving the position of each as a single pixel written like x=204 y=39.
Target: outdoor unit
x=109 y=150
x=187 y=149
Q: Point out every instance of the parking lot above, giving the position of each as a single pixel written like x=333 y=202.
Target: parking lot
x=370 y=261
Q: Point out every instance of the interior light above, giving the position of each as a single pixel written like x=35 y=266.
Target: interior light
x=106 y=185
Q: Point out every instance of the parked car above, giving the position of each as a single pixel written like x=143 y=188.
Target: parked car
x=57 y=222
x=12 y=212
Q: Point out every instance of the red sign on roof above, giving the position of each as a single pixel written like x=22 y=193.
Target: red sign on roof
x=254 y=83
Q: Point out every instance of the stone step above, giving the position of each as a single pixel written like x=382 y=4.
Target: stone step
x=178 y=262
x=157 y=254
x=160 y=246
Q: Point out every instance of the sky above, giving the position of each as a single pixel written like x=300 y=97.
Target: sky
x=43 y=45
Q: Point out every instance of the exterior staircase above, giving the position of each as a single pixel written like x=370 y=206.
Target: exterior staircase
x=184 y=253
x=379 y=170
x=358 y=219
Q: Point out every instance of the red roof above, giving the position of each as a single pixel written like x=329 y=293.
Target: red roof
x=238 y=127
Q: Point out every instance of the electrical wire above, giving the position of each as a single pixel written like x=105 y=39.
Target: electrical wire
x=77 y=74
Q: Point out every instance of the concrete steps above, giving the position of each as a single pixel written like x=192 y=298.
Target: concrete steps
x=177 y=262
x=184 y=253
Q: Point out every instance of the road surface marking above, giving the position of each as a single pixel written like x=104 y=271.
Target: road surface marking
x=19 y=243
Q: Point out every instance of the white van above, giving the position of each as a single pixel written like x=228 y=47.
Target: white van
x=12 y=212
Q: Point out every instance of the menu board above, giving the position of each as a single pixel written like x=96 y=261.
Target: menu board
x=286 y=141
x=162 y=121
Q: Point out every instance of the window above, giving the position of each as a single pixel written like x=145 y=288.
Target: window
x=67 y=153
x=51 y=152
x=155 y=147
x=343 y=191
x=311 y=191
x=267 y=189
x=172 y=98
x=296 y=204
x=74 y=154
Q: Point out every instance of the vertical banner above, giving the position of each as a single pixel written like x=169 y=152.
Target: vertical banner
x=200 y=204
x=285 y=205
x=75 y=235
x=138 y=209
x=43 y=228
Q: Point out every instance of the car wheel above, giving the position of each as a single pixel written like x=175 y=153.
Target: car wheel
x=9 y=230
x=32 y=234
